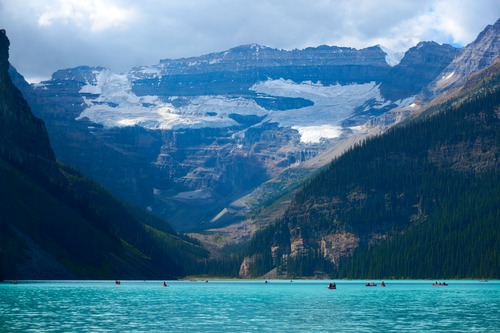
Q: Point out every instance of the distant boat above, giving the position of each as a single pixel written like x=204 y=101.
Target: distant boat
x=332 y=286
x=382 y=284
x=440 y=284
x=373 y=284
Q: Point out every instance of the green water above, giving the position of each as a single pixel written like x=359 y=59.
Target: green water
x=249 y=306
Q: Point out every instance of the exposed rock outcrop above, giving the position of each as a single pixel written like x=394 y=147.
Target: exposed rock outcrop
x=23 y=137
x=479 y=54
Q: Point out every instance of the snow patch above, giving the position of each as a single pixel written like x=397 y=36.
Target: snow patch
x=314 y=134
x=40 y=85
x=407 y=102
x=447 y=77
x=391 y=57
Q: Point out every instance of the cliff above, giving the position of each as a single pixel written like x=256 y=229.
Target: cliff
x=23 y=137
x=57 y=224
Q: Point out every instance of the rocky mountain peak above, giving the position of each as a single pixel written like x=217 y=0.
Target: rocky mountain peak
x=477 y=55
x=419 y=66
x=84 y=74
x=254 y=56
x=427 y=52
x=190 y=132
x=23 y=137
x=4 y=51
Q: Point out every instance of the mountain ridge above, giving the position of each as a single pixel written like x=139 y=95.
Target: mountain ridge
x=57 y=224
x=242 y=115
x=195 y=173
x=477 y=55
x=410 y=203
x=425 y=105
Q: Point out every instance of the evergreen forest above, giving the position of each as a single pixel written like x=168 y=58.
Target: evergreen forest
x=422 y=201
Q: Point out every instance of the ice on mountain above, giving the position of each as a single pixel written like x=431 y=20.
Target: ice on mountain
x=332 y=105
x=314 y=134
x=116 y=105
x=391 y=57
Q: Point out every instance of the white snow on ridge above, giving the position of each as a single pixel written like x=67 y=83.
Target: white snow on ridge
x=392 y=58
x=405 y=103
x=118 y=106
x=448 y=76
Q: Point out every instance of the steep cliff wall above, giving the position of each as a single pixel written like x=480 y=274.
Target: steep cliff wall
x=23 y=137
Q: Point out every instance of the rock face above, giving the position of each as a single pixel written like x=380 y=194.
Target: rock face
x=421 y=65
x=188 y=137
x=31 y=152
x=477 y=55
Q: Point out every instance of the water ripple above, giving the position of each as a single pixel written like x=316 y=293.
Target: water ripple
x=249 y=306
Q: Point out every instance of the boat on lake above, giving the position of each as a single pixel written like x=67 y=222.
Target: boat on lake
x=440 y=284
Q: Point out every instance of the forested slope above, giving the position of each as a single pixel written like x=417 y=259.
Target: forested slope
x=57 y=224
x=420 y=201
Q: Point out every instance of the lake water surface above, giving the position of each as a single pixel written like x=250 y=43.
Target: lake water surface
x=249 y=306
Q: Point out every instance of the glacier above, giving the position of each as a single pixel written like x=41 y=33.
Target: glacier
x=110 y=101
x=188 y=138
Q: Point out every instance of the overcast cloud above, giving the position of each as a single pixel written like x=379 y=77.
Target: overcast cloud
x=47 y=35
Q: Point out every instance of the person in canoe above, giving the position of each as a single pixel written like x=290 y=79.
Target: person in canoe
x=332 y=286
x=382 y=284
x=368 y=284
x=440 y=284
x=165 y=284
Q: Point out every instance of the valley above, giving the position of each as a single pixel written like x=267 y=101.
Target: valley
x=290 y=163
x=191 y=139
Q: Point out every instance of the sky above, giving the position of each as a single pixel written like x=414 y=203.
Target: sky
x=48 y=35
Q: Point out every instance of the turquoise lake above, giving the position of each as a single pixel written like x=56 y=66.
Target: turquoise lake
x=249 y=306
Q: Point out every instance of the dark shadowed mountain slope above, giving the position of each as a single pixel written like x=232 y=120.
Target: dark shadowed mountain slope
x=57 y=224
x=23 y=137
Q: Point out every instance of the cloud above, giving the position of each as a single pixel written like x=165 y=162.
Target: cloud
x=92 y=15
x=47 y=35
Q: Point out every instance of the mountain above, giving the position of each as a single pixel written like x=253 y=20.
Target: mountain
x=25 y=141
x=57 y=224
x=418 y=68
x=419 y=201
x=203 y=141
x=479 y=54
x=223 y=139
